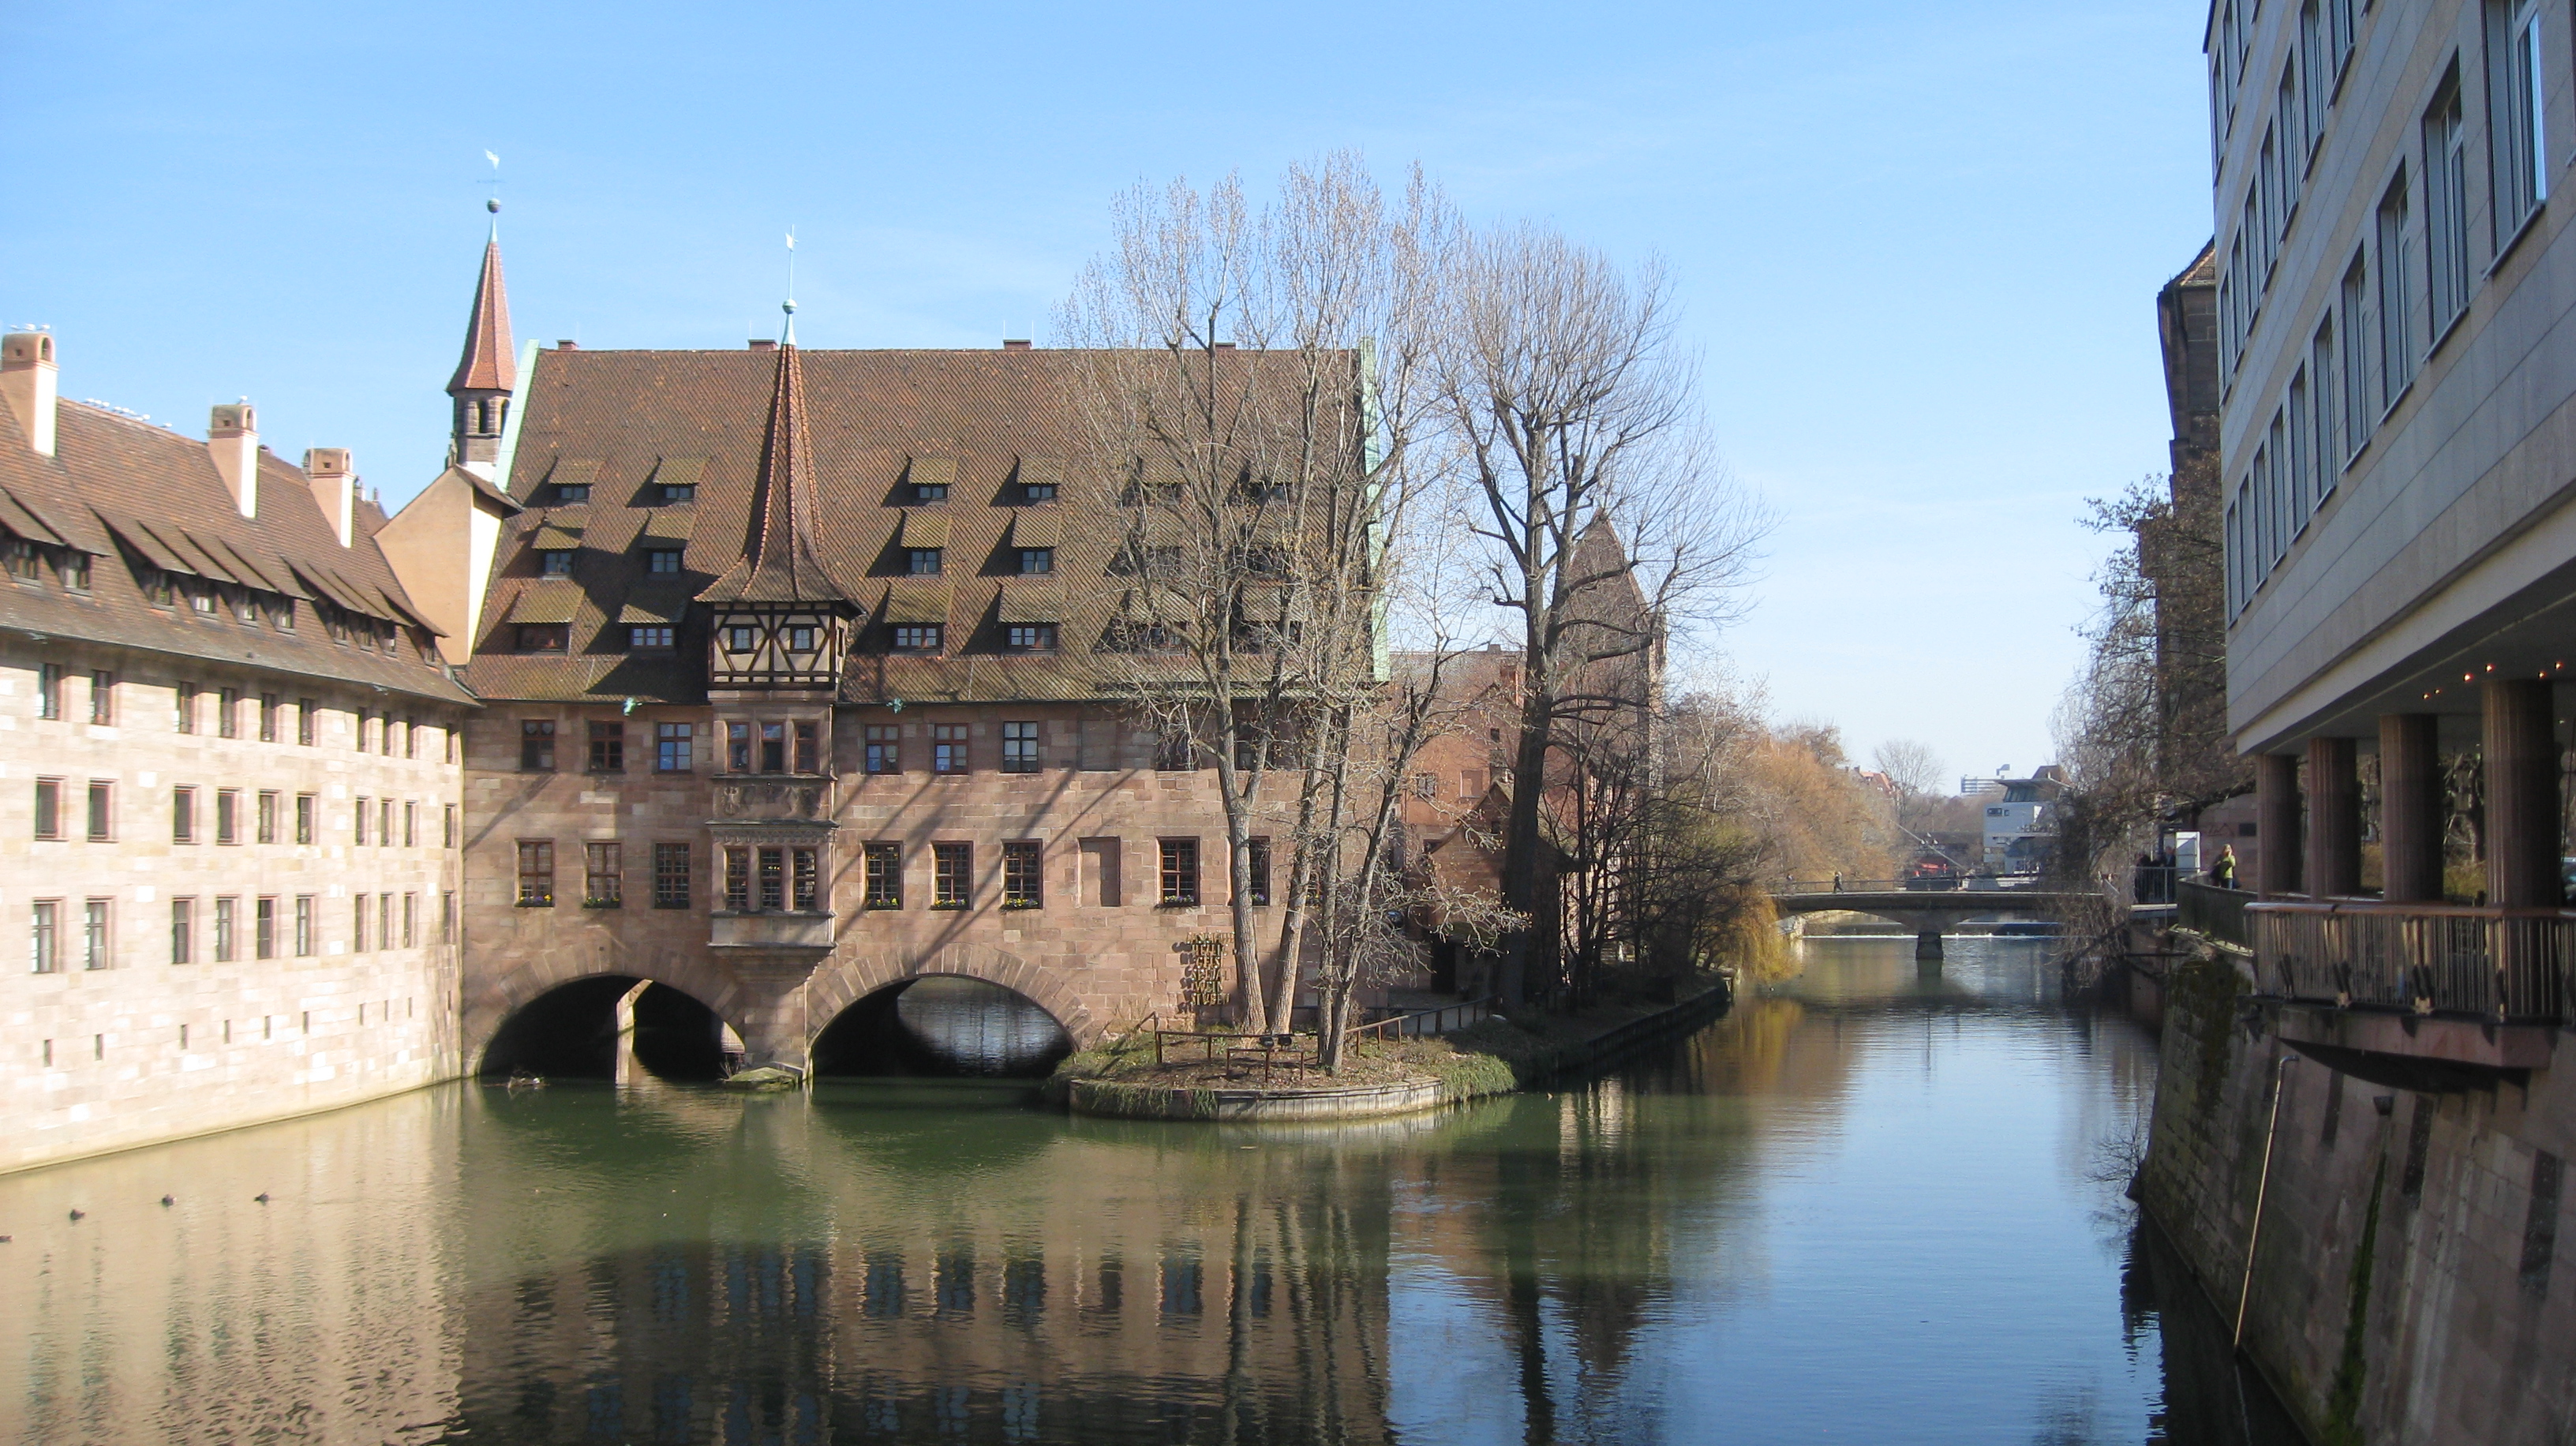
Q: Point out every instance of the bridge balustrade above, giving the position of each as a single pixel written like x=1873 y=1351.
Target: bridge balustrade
x=2507 y=965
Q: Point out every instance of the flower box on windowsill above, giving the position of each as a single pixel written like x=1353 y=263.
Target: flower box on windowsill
x=603 y=903
x=954 y=906
x=1010 y=905
x=885 y=904
x=1178 y=904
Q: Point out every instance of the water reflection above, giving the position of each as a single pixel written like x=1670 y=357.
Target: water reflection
x=1863 y=1207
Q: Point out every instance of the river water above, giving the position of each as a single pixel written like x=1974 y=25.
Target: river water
x=1869 y=1205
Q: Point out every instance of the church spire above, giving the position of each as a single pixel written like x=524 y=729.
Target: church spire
x=488 y=372
x=778 y=563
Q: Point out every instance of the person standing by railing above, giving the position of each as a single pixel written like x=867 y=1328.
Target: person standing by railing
x=2223 y=872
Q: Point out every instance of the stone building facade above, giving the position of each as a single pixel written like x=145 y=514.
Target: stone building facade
x=230 y=771
x=790 y=691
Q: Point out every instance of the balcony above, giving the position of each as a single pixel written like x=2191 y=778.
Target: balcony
x=2426 y=996
x=771 y=932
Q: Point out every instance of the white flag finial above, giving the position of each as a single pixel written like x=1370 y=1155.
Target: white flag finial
x=495 y=160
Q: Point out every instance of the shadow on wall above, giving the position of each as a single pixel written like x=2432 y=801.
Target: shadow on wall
x=942 y=1028
x=572 y=1033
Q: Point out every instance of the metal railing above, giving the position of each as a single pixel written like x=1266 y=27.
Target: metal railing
x=1295 y=1051
x=2500 y=964
x=2213 y=912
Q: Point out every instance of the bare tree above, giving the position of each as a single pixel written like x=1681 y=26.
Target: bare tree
x=1608 y=519
x=1257 y=382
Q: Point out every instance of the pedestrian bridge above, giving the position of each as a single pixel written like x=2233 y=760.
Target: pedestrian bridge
x=1928 y=912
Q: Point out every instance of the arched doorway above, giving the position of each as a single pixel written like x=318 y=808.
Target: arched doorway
x=942 y=1027
x=590 y=1027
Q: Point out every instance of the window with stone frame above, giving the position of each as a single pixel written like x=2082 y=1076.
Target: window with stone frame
x=183 y=815
x=102 y=697
x=948 y=748
x=308 y=722
x=227 y=713
x=305 y=804
x=884 y=748
x=1256 y=871
x=772 y=881
x=952 y=875
x=804 y=880
x=603 y=875
x=49 y=808
x=46 y=935
x=536 y=873
x=228 y=815
x=607 y=747
x=672 y=746
x=1020 y=747
x=737 y=878
x=808 y=739
x=102 y=811
x=671 y=876
x=1180 y=871
x=536 y=745
x=269 y=705
x=227 y=930
x=883 y=870
x=1023 y=874
x=264 y=816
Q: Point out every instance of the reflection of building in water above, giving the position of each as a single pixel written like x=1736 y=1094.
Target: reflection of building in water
x=1014 y=1282
x=314 y=1316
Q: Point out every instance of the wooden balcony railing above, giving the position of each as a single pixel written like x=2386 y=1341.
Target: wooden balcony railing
x=2507 y=965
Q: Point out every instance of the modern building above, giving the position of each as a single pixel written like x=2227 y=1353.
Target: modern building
x=791 y=695
x=2396 y=361
x=2019 y=823
x=229 y=782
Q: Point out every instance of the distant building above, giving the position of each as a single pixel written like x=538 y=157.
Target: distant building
x=2020 y=825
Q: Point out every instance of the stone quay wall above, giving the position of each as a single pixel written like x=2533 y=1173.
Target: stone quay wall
x=2404 y=1287
x=122 y=1039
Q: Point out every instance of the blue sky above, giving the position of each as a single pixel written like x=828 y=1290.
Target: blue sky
x=1918 y=245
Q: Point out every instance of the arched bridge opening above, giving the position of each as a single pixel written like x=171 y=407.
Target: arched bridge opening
x=609 y=1027
x=942 y=1027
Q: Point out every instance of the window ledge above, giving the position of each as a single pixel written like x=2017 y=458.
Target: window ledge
x=952 y=906
x=1020 y=906
x=2513 y=242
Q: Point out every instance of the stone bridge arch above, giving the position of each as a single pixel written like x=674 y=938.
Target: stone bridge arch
x=491 y=1000
x=844 y=980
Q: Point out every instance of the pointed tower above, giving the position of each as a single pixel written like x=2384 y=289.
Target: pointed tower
x=779 y=618
x=488 y=372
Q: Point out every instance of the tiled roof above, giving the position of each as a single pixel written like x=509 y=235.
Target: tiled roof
x=778 y=562
x=140 y=497
x=488 y=364
x=877 y=425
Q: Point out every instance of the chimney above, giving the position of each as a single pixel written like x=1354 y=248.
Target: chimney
x=232 y=436
x=1010 y=343
x=567 y=344
x=335 y=487
x=27 y=382
x=762 y=343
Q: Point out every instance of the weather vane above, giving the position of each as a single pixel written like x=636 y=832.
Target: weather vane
x=789 y=339
x=493 y=205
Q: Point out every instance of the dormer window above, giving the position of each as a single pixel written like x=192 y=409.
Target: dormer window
x=929 y=491
x=676 y=492
x=662 y=560
x=1037 y=492
x=649 y=638
x=1037 y=560
x=917 y=638
x=1030 y=637
x=924 y=561
x=570 y=492
x=544 y=637
x=75 y=571
x=554 y=562
x=20 y=557
x=740 y=639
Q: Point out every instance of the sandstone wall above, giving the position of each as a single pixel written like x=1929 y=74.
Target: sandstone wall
x=2404 y=1287
x=143 y=1049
